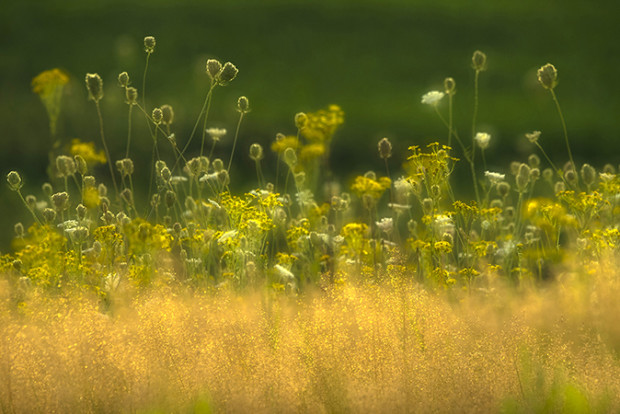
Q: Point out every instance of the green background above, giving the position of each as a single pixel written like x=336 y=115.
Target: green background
x=373 y=58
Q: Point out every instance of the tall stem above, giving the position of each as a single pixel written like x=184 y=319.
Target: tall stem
x=105 y=146
x=557 y=105
x=235 y=141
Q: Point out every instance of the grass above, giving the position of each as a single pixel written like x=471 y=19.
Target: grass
x=401 y=289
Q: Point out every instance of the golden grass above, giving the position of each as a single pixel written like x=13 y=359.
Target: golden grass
x=357 y=347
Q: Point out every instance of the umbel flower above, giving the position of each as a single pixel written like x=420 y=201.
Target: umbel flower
x=482 y=139
x=432 y=98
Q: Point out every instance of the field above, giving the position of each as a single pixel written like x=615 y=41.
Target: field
x=168 y=257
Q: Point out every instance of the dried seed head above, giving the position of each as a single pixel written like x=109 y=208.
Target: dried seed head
x=559 y=187
x=523 y=177
x=49 y=215
x=157 y=115
x=81 y=211
x=167 y=114
x=89 y=181
x=533 y=136
x=243 y=105
x=300 y=178
x=479 y=61
x=223 y=178
x=94 y=86
x=14 y=180
x=48 y=190
x=65 y=165
x=149 y=44
x=533 y=160
x=301 y=119
x=80 y=164
x=534 y=174
x=218 y=165
x=227 y=74
x=548 y=76
x=570 y=176
x=131 y=95
x=256 y=152
x=127 y=196
x=214 y=67
x=123 y=79
x=548 y=175
x=427 y=205
x=588 y=174
x=170 y=198
x=385 y=148
x=19 y=230
x=60 y=201
x=449 y=86
x=290 y=158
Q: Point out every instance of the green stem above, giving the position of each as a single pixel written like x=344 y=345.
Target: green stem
x=557 y=105
x=235 y=141
x=105 y=147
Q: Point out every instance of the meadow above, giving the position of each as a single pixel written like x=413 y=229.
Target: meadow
x=148 y=282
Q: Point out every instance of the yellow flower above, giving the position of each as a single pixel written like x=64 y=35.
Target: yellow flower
x=287 y=142
x=87 y=151
x=367 y=186
x=312 y=151
x=49 y=86
x=322 y=124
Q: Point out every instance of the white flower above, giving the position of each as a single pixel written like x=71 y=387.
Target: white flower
x=284 y=273
x=432 y=98
x=444 y=224
x=229 y=235
x=216 y=133
x=482 y=139
x=494 y=178
x=385 y=224
x=606 y=177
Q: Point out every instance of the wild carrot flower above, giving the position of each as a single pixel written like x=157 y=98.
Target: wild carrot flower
x=494 y=178
x=533 y=136
x=482 y=139
x=216 y=133
x=432 y=98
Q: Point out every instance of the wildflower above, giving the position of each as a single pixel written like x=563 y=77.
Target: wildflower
x=216 y=133
x=533 y=136
x=432 y=98
x=482 y=139
x=94 y=86
x=548 y=76
x=49 y=85
x=284 y=273
x=444 y=224
x=386 y=225
x=494 y=178
x=305 y=197
x=87 y=151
